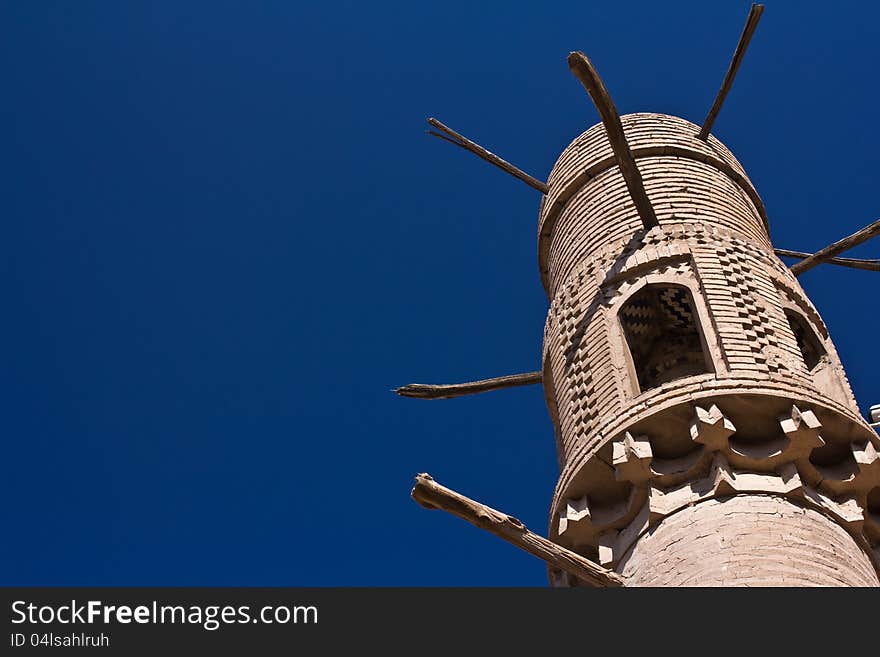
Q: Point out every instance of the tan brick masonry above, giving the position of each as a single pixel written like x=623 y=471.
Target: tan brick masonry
x=760 y=405
x=747 y=540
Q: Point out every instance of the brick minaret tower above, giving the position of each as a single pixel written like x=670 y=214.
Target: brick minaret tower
x=706 y=431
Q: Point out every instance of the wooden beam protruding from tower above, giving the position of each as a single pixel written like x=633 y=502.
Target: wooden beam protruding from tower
x=586 y=73
x=838 y=247
x=447 y=391
x=453 y=137
x=738 y=54
x=852 y=263
x=432 y=495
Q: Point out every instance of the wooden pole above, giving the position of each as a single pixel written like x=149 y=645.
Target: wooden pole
x=738 y=54
x=432 y=495
x=853 y=263
x=448 y=391
x=838 y=247
x=479 y=151
x=586 y=73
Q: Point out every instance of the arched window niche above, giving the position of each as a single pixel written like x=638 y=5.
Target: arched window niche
x=663 y=335
x=809 y=344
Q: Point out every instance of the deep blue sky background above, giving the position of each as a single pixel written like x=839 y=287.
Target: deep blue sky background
x=226 y=238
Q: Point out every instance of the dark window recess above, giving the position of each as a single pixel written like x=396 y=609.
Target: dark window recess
x=810 y=345
x=660 y=325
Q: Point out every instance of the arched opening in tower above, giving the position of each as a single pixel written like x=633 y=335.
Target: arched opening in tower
x=809 y=344
x=662 y=332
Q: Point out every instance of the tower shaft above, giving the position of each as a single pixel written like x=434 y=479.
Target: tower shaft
x=705 y=428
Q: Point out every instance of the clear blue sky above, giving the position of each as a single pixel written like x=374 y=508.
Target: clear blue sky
x=226 y=238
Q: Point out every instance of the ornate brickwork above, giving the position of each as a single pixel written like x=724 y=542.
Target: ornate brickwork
x=685 y=367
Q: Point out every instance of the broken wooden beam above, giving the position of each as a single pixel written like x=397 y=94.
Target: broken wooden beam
x=460 y=140
x=738 y=54
x=432 y=495
x=852 y=263
x=586 y=73
x=447 y=391
x=838 y=247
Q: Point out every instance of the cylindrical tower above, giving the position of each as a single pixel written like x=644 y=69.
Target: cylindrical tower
x=706 y=431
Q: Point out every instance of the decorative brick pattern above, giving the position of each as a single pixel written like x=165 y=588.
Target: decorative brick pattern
x=637 y=415
x=685 y=178
x=719 y=466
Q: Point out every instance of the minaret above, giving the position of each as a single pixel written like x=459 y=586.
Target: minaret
x=706 y=431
